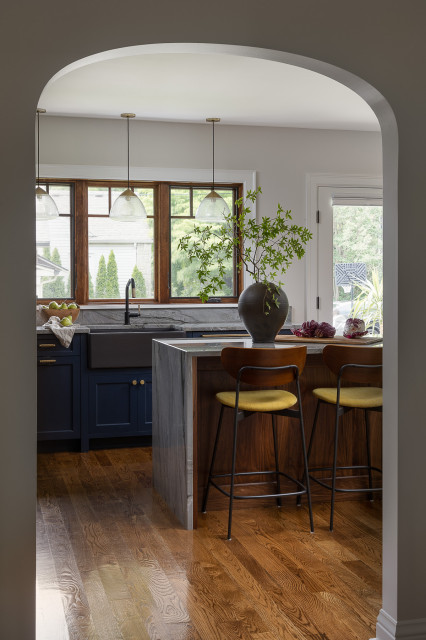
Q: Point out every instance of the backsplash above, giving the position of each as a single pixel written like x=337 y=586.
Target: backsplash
x=189 y=316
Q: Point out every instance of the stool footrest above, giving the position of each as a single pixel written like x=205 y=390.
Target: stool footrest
x=302 y=489
x=329 y=486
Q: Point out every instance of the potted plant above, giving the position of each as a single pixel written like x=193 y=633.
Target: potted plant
x=265 y=250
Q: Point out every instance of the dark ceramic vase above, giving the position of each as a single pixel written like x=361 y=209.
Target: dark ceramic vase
x=263 y=327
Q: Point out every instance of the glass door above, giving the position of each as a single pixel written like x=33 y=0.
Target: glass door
x=350 y=256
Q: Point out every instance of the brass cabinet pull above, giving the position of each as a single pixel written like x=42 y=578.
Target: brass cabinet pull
x=142 y=382
x=134 y=382
x=47 y=361
x=46 y=346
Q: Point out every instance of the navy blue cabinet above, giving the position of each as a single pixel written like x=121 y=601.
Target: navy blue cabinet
x=58 y=389
x=120 y=403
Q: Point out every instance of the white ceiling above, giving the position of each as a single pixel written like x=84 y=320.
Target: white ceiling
x=188 y=87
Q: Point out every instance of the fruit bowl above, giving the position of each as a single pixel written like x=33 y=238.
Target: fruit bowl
x=61 y=313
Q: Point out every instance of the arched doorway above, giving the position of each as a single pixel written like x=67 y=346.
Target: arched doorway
x=390 y=177
x=381 y=108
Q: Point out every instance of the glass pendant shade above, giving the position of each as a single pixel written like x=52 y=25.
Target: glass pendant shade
x=212 y=208
x=127 y=207
x=46 y=208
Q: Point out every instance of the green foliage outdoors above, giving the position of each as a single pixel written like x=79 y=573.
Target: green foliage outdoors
x=106 y=278
x=91 y=287
x=183 y=277
x=55 y=288
x=265 y=250
x=140 y=285
x=112 y=290
x=369 y=304
x=358 y=237
x=101 y=278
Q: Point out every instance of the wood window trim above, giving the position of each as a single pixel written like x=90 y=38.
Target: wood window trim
x=161 y=239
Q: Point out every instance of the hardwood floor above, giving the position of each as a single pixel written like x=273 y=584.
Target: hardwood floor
x=113 y=564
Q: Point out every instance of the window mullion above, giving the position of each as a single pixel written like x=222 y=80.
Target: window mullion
x=81 y=242
x=162 y=240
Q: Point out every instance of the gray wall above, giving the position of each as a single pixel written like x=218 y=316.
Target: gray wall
x=282 y=159
x=382 y=43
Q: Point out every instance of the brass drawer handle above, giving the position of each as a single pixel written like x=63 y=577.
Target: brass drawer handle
x=47 y=361
x=134 y=382
x=142 y=382
x=46 y=346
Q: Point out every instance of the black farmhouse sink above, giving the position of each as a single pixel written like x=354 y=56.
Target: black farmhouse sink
x=123 y=347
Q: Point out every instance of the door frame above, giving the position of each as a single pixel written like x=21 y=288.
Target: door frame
x=313 y=184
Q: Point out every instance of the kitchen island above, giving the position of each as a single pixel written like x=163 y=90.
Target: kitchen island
x=186 y=376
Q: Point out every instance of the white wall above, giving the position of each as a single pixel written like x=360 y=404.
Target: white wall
x=281 y=157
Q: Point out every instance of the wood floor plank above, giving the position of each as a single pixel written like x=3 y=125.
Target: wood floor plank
x=115 y=565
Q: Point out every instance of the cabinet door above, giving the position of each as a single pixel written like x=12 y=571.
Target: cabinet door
x=145 y=403
x=113 y=404
x=58 y=398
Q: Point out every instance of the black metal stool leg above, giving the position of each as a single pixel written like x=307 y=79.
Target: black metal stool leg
x=333 y=488
x=277 y=469
x=231 y=491
x=219 y=426
x=367 y=437
x=311 y=439
x=305 y=458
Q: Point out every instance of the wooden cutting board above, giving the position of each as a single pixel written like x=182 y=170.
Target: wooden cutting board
x=336 y=340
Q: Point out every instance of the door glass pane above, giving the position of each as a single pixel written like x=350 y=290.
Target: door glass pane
x=358 y=266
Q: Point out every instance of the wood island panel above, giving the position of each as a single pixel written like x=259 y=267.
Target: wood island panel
x=255 y=447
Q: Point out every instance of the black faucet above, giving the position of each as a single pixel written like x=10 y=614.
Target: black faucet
x=127 y=313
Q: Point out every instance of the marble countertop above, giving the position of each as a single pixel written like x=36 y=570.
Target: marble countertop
x=178 y=326
x=78 y=329
x=213 y=347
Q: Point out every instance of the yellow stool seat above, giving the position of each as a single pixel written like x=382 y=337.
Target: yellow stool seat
x=260 y=400
x=355 y=397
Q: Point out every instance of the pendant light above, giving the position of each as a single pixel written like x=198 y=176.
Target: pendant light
x=213 y=207
x=127 y=207
x=46 y=208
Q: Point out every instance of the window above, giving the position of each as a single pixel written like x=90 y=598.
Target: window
x=103 y=253
x=54 y=245
x=350 y=256
x=119 y=250
x=184 y=202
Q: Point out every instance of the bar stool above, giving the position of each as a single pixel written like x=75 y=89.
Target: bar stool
x=263 y=368
x=362 y=365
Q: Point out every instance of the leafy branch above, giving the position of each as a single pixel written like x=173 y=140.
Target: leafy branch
x=265 y=249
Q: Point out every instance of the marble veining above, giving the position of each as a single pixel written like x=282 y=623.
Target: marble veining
x=172 y=437
x=208 y=317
